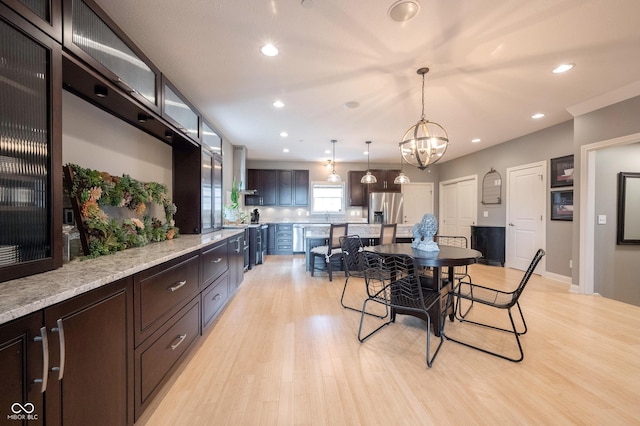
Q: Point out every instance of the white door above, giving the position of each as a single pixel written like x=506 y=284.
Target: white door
x=417 y=199
x=458 y=206
x=525 y=214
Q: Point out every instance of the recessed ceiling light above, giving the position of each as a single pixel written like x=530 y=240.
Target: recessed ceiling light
x=327 y=151
x=278 y=104
x=537 y=116
x=403 y=10
x=476 y=140
x=269 y=50
x=285 y=150
x=562 y=68
x=284 y=134
x=351 y=105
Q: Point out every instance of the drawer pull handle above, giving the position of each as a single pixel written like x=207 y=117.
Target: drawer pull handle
x=179 y=341
x=45 y=358
x=60 y=330
x=216 y=297
x=218 y=260
x=178 y=285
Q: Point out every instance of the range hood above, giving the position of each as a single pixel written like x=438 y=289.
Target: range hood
x=240 y=168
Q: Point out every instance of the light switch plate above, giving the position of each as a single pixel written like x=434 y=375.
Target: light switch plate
x=485 y=213
x=602 y=219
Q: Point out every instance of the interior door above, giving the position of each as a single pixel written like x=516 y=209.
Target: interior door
x=525 y=214
x=417 y=200
x=458 y=206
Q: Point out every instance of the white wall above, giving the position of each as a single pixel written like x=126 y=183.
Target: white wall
x=94 y=139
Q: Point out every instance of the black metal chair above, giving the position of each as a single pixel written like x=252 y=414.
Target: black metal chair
x=328 y=253
x=459 y=272
x=352 y=258
x=499 y=299
x=392 y=281
x=388 y=233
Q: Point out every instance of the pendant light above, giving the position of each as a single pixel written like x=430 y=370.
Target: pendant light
x=425 y=142
x=334 y=177
x=401 y=178
x=368 y=177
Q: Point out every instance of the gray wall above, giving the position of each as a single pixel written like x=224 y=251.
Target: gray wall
x=555 y=141
x=617 y=120
x=617 y=269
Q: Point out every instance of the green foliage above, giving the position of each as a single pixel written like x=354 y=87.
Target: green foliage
x=91 y=189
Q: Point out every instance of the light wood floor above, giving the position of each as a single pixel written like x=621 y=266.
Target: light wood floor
x=284 y=352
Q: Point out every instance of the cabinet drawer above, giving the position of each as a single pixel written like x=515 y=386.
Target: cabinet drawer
x=214 y=262
x=156 y=359
x=161 y=291
x=214 y=298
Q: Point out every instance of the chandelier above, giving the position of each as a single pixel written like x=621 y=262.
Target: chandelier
x=334 y=177
x=368 y=177
x=425 y=142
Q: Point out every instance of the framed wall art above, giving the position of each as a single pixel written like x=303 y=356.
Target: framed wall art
x=562 y=205
x=562 y=171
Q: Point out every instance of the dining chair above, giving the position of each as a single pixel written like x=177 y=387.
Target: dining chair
x=392 y=281
x=459 y=272
x=352 y=259
x=331 y=251
x=499 y=299
x=388 y=233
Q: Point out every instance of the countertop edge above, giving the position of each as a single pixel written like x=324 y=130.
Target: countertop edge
x=27 y=295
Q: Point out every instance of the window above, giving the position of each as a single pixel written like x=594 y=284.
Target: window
x=327 y=197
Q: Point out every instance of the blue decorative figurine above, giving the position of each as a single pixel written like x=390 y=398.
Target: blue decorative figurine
x=423 y=233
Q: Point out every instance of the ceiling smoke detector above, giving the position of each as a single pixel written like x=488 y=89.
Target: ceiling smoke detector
x=403 y=10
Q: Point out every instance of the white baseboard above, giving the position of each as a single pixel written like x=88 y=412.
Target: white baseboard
x=558 y=277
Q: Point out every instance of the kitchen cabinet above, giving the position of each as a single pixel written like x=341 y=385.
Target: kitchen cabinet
x=214 y=297
x=490 y=241
x=45 y=14
x=293 y=188
x=90 y=358
x=198 y=183
x=21 y=361
x=359 y=192
x=85 y=344
x=235 y=253
x=179 y=111
x=278 y=187
x=92 y=36
x=265 y=182
x=31 y=154
x=280 y=238
x=358 y=195
x=384 y=182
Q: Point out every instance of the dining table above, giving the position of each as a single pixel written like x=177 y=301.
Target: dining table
x=446 y=257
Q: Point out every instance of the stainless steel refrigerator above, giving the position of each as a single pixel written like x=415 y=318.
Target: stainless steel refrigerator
x=385 y=207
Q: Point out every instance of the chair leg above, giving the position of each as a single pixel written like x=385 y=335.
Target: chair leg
x=344 y=289
x=430 y=359
x=330 y=269
x=458 y=303
x=313 y=263
x=364 y=312
x=513 y=331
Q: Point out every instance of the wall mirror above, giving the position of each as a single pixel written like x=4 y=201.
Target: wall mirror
x=628 y=208
x=491 y=187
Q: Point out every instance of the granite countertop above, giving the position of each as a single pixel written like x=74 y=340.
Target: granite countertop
x=23 y=296
x=363 y=230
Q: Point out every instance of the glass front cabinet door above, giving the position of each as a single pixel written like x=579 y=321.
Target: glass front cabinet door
x=30 y=149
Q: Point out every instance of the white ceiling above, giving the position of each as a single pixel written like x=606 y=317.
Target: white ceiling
x=490 y=62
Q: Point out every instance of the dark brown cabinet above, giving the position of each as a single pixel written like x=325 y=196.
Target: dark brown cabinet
x=91 y=357
x=75 y=356
x=293 y=188
x=235 y=253
x=30 y=170
x=359 y=192
x=278 y=187
x=21 y=369
x=45 y=14
x=92 y=36
x=265 y=182
x=490 y=241
x=280 y=238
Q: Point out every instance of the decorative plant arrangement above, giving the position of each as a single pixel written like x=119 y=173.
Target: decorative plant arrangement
x=93 y=192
